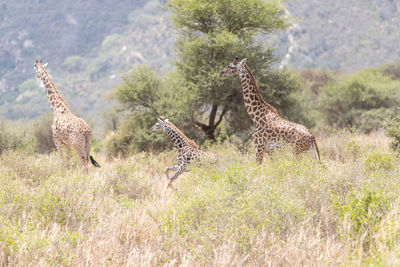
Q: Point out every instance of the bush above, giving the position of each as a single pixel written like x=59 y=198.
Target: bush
x=11 y=137
x=363 y=210
x=393 y=130
x=43 y=134
x=360 y=100
x=378 y=160
x=147 y=97
x=134 y=135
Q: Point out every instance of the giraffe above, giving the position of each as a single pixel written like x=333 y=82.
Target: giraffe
x=270 y=127
x=187 y=149
x=68 y=130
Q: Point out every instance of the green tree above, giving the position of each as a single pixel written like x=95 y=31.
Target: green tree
x=147 y=96
x=211 y=34
x=362 y=100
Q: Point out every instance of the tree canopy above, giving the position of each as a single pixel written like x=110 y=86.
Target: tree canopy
x=209 y=35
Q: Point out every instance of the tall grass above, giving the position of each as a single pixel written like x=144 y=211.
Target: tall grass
x=288 y=211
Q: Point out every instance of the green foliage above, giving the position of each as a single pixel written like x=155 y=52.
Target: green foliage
x=147 y=97
x=110 y=41
x=393 y=130
x=140 y=89
x=233 y=212
x=376 y=161
x=361 y=100
x=212 y=34
x=42 y=131
x=226 y=205
x=146 y=35
x=364 y=210
x=235 y=16
x=12 y=137
x=28 y=85
x=393 y=70
x=73 y=64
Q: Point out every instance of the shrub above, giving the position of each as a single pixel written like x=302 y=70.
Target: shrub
x=378 y=160
x=226 y=206
x=363 y=210
x=360 y=100
x=12 y=137
x=43 y=134
x=393 y=130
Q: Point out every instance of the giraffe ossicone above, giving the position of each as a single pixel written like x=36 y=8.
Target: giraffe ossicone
x=68 y=130
x=270 y=127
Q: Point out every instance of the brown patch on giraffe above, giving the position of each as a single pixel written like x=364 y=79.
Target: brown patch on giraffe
x=52 y=85
x=271 y=108
x=190 y=141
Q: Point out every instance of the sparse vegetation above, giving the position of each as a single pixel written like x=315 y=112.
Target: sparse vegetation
x=289 y=211
x=12 y=137
x=341 y=212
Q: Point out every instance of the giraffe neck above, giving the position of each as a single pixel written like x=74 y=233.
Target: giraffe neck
x=177 y=138
x=253 y=101
x=57 y=103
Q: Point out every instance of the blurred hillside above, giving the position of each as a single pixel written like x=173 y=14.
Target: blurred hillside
x=88 y=44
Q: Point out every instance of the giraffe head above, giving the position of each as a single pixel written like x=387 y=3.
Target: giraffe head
x=159 y=124
x=39 y=67
x=234 y=68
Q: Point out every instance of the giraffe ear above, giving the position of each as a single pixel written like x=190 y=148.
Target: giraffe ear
x=45 y=65
x=241 y=63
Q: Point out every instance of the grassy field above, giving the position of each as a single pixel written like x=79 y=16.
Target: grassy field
x=290 y=211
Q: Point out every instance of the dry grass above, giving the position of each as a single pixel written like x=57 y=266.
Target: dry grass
x=290 y=211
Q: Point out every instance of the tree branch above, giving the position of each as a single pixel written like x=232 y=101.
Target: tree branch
x=220 y=117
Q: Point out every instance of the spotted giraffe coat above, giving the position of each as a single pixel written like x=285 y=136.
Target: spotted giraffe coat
x=68 y=130
x=187 y=149
x=270 y=127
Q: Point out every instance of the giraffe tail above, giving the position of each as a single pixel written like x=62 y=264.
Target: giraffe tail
x=316 y=148
x=94 y=162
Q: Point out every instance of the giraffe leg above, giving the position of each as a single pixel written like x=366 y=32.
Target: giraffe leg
x=260 y=147
x=80 y=150
x=58 y=144
x=260 y=153
x=311 y=149
x=179 y=170
x=84 y=161
x=68 y=154
x=172 y=168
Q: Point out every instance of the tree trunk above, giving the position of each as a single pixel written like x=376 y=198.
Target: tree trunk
x=209 y=129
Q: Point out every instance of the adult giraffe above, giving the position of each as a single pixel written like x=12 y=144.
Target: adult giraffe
x=270 y=127
x=68 y=130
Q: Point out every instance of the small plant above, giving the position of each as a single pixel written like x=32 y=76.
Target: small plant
x=363 y=210
x=393 y=130
x=377 y=160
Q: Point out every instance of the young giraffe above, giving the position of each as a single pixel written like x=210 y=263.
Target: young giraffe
x=68 y=130
x=187 y=149
x=270 y=127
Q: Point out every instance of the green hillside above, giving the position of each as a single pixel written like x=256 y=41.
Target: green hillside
x=88 y=44
x=87 y=47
